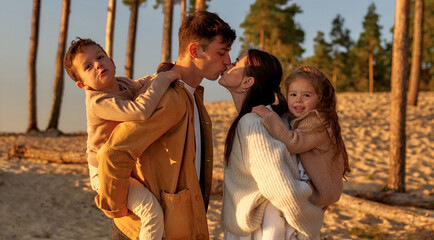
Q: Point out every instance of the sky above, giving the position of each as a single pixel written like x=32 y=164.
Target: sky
x=87 y=20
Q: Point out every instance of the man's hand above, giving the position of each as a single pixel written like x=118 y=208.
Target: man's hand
x=261 y=110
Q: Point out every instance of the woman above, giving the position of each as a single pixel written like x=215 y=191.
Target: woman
x=259 y=169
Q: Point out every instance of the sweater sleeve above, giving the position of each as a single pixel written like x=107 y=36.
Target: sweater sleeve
x=117 y=157
x=151 y=96
x=266 y=159
x=299 y=140
x=114 y=108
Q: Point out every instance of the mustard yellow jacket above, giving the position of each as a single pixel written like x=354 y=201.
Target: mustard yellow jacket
x=160 y=153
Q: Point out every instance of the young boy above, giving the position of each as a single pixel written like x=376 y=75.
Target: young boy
x=109 y=101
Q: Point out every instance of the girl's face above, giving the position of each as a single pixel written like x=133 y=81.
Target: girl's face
x=302 y=97
x=232 y=78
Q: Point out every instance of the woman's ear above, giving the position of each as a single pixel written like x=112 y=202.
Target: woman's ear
x=247 y=82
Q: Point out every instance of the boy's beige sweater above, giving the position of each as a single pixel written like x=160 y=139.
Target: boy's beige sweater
x=313 y=142
x=105 y=110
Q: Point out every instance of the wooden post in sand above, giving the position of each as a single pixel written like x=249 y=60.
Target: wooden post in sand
x=398 y=98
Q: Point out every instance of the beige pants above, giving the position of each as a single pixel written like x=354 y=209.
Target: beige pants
x=141 y=202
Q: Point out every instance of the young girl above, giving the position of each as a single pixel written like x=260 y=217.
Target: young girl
x=314 y=134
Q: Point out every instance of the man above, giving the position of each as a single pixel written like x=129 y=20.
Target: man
x=171 y=152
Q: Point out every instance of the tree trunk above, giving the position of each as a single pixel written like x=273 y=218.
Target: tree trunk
x=34 y=39
x=398 y=98
x=397 y=199
x=371 y=72
x=200 y=5
x=109 y=28
x=262 y=38
x=183 y=10
x=49 y=155
x=166 y=48
x=416 y=54
x=263 y=25
x=385 y=211
x=59 y=79
x=131 y=45
x=335 y=76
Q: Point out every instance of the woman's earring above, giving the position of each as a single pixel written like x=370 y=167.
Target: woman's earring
x=243 y=90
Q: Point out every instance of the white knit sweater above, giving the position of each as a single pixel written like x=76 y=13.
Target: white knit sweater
x=261 y=170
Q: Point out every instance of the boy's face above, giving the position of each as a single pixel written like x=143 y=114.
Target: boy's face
x=96 y=70
x=302 y=97
x=214 y=59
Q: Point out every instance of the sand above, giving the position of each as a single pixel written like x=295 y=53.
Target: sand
x=55 y=201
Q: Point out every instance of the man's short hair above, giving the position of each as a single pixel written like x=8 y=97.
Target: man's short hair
x=77 y=46
x=203 y=25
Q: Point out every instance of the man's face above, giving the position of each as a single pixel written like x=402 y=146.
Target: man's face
x=96 y=70
x=213 y=60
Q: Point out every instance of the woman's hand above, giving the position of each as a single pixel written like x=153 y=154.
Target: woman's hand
x=261 y=110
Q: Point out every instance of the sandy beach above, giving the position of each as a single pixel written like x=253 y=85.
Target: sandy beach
x=54 y=201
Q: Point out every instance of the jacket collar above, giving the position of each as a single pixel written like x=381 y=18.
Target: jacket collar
x=198 y=91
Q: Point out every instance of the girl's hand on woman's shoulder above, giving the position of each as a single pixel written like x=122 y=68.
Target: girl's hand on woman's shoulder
x=261 y=110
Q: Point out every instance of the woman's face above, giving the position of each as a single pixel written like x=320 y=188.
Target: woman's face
x=234 y=75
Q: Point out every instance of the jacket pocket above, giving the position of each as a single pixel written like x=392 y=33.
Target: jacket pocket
x=178 y=215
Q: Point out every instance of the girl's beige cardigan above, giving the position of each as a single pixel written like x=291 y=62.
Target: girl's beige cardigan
x=313 y=142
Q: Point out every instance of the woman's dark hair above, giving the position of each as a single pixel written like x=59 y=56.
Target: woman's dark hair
x=267 y=72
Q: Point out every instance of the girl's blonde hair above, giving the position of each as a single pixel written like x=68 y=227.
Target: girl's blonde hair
x=326 y=105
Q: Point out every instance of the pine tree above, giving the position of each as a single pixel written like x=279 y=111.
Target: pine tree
x=110 y=25
x=33 y=52
x=322 y=55
x=367 y=51
x=53 y=122
x=398 y=98
x=426 y=77
x=427 y=69
x=197 y=5
x=131 y=42
x=341 y=44
x=270 y=26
